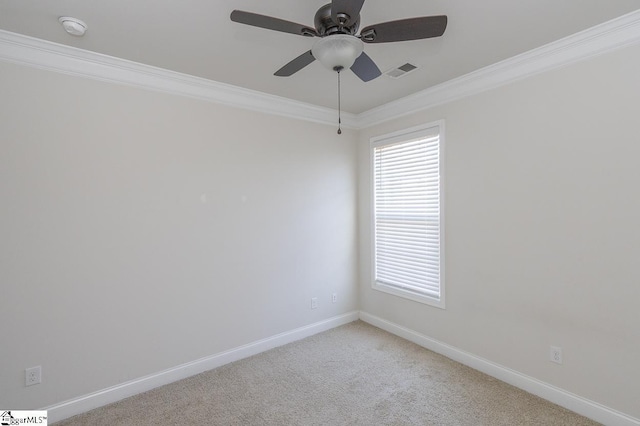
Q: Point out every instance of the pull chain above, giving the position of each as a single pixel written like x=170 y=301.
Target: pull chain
x=338 y=69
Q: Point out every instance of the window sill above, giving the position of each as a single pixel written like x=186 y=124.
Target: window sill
x=406 y=294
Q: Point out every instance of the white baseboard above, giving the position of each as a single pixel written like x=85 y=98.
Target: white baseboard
x=116 y=393
x=575 y=403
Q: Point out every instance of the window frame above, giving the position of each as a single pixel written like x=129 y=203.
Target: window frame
x=400 y=136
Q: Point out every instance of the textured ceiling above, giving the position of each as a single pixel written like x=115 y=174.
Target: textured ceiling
x=196 y=37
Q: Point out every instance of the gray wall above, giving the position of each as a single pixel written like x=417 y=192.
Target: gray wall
x=140 y=231
x=542 y=234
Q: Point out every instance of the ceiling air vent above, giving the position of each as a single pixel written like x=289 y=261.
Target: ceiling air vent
x=401 y=70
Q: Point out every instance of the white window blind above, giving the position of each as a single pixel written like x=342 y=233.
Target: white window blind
x=407 y=207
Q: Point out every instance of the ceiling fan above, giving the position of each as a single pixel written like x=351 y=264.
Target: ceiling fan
x=340 y=47
x=336 y=24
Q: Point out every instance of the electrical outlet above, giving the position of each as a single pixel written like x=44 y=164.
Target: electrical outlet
x=314 y=302
x=555 y=354
x=33 y=376
x=334 y=297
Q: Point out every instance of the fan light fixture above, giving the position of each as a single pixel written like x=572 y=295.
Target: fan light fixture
x=337 y=52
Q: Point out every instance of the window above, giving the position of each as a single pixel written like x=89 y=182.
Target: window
x=407 y=214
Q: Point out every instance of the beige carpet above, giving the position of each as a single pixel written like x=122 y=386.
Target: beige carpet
x=352 y=375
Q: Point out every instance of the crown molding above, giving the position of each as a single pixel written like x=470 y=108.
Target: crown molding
x=37 y=53
x=609 y=36
x=615 y=34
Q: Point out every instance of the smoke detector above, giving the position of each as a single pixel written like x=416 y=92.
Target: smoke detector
x=73 y=26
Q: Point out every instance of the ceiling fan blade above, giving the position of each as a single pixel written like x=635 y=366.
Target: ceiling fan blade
x=365 y=68
x=271 y=23
x=348 y=7
x=296 y=65
x=405 y=29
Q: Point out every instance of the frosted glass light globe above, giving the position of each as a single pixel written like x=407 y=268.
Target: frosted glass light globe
x=337 y=51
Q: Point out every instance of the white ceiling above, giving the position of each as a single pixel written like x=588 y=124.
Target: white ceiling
x=196 y=37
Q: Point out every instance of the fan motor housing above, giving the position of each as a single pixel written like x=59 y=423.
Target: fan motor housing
x=325 y=25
